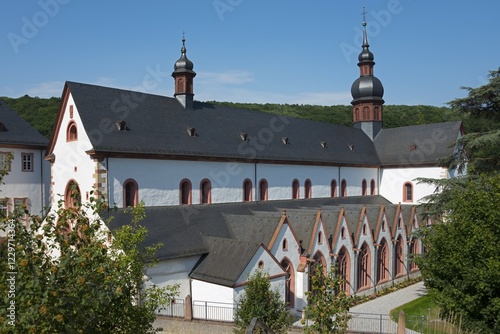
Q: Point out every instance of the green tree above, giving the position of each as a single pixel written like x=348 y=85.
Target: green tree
x=65 y=277
x=461 y=267
x=327 y=303
x=261 y=302
x=480 y=109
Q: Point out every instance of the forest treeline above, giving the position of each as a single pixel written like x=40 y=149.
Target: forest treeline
x=41 y=112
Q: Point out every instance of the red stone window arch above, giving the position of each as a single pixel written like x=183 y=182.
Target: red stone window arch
x=205 y=191
x=247 y=190
x=407 y=192
x=295 y=189
x=364 y=268
x=344 y=268
x=72 y=195
x=343 y=188
x=333 y=188
x=363 y=187
x=307 y=189
x=71 y=132
x=263 y=190
x=130 y=193
x=289 y=282
x=399 y=257
x=383 y=262
x=185 y=192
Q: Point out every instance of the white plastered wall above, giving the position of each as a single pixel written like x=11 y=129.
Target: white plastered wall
x=71 y=161
x=159 y=180
x=33 y=185
x=393 y=179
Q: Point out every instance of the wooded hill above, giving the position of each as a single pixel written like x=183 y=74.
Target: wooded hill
x=41 y=113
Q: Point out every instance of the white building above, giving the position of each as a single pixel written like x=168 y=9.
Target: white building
x=215 y=179
x=27 y=183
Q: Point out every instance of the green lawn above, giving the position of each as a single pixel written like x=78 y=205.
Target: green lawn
x=430 y=323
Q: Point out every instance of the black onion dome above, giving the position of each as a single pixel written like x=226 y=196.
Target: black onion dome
x=183 y=64
x=367 y=88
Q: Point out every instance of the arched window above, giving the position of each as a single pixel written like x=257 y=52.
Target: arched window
x=205 y=191
x=333 y=188
x=72 y=195
x=343 y=233
x=285 y=244
x=263 y=190
x=295 y=189
x=247 y=190
x=343 y=190
x=320 y=237
x=289 y=283
x=307 y=189
x=413 y=253
x=71 y=132
x=260 y=265
x=399 y=257
x=364 y=267
x=408 y=192
x=372 y=187
x=344 y=268
x=363 y=187
x=185 y=192
x=130 y=193
x=383 y=262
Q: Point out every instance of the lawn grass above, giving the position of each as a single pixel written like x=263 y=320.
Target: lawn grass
x=430 y=323
x=414 y=311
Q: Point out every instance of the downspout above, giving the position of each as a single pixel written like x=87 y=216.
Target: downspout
x=339 y=184
x=42 y=185
x=107 y=178
x=255 y=182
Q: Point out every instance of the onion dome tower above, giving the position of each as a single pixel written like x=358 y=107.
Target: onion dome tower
x=367 y=92
x=183 y=76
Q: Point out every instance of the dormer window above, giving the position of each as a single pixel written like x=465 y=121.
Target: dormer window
x=121 y=125
x=192 y=132
x=244 y=136
x=285 y=140
x=71 y=132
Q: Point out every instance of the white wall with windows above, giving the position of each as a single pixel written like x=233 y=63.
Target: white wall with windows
x=27 y=181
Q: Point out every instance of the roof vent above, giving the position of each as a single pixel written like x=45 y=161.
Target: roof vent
x=122 y=126
x=285 y=140
x=2 y=127
x=244 y=136
x=351 y=147
x=192 y=132
x=323 y=144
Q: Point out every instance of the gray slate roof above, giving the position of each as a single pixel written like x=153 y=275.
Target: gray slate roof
x=417 y=144
x=204 y=230
x=159 y=125
x=17 y=130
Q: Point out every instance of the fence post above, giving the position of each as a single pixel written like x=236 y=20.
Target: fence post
x=188 y=308
x=401 y=323
x=381 y=324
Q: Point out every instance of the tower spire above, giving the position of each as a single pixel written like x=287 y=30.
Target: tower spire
x=367 y=91
x=183 y=75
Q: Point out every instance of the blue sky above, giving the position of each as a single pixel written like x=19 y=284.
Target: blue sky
x=281 y=51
